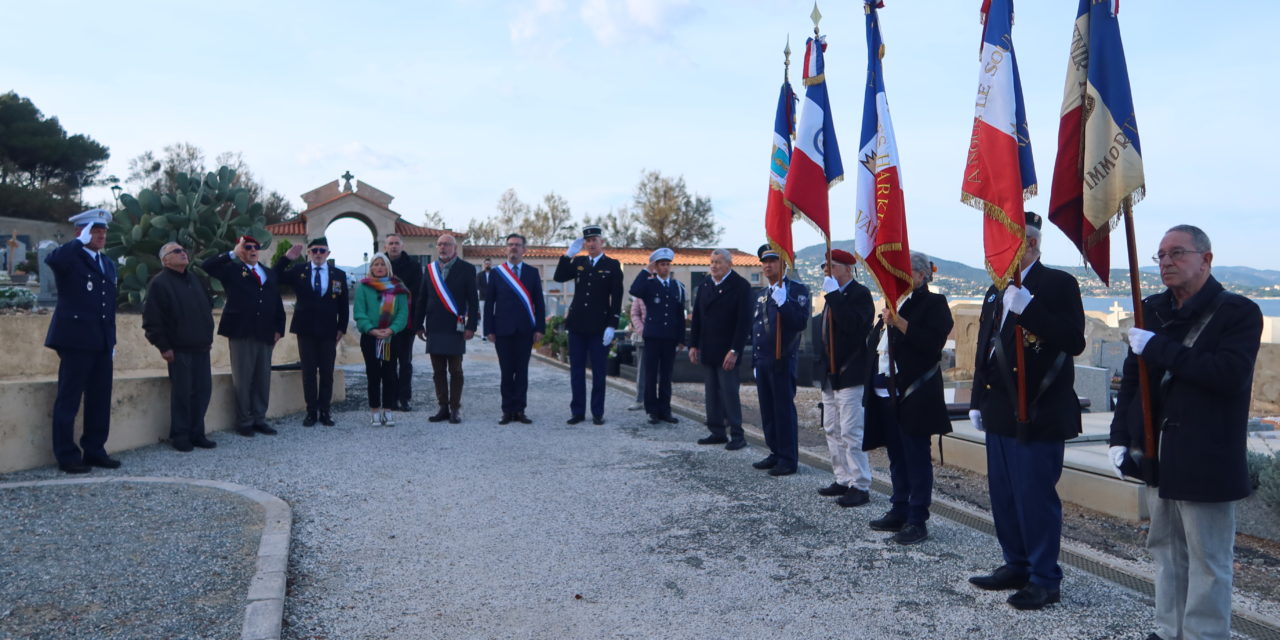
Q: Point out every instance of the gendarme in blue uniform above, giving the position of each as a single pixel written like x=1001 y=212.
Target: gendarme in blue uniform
x=776 y=369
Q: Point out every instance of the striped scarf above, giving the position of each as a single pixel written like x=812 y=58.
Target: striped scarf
x=388 y=288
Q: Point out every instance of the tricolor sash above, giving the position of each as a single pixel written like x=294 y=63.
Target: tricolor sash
x=520 y=290
x=442 y=292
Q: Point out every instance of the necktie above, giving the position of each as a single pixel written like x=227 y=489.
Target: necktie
x=316 y=284
x=256 y=275
x=101 y=267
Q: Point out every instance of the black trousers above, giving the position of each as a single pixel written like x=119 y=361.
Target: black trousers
x=659 y=360
x=86 y=373
x=190 y=384
x=402 y=355
x=317 y=355
x=514 y=352
x=383 y=386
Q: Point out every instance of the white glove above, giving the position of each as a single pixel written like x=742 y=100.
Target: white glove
x=829 y=284
x=779 y=296
x=1138 y=339
x=1016 y=299
x=1118 y=455
x=975 y=417
x=608 y=335
x=86 y=234
x=574 y=248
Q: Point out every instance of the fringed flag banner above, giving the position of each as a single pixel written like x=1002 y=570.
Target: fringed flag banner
x=815 y=165
x=1099 y=165
x=999 y=174
x=777 y=215
x=880 y=239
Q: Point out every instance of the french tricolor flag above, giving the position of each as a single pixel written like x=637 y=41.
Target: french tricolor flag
x=999 y=174
x=815 y=162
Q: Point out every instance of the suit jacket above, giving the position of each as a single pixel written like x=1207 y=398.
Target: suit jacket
x=443 y=336
x=85 y=315
x=664 y=306
x=1201 y=411
x=721 y=318
x=769 y=318
x=318 y=315
x=504 y=311
x=482 y=281
x=922 y=411
x=597 y=296
x=252 y=310
x=1053 y=333
x=851 y=314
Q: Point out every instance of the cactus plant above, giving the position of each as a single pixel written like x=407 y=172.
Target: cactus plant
x=205 y=215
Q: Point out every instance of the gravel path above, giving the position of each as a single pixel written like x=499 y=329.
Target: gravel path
x=618 y=531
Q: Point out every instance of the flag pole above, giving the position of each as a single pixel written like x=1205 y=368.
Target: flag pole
x=831 y=332
x=1148 y=458
x=1021 y=367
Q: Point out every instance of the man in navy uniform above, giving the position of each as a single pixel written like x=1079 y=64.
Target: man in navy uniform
x=320 y=316
x=83 y=332
x=664 y=298
x=1024 y=459
x=409 y=271
x=718 y=334
x=592 y=320
x=253 y=322
x=448 y=312
x=514 y=319
x=782 y=311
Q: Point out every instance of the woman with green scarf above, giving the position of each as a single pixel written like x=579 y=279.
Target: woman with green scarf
x=381 y=310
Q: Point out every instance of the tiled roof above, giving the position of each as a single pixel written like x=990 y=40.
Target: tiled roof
x=634 y=256
x=295 y=227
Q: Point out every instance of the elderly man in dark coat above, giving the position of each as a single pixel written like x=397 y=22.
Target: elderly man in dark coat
x=718 y=333
x=448 y=313
x=1200 y=345
x=177 y=318
x=1024 y=460
x=904 y=401
x=320 y=318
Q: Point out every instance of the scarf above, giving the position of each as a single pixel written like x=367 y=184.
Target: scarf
x=388 y=288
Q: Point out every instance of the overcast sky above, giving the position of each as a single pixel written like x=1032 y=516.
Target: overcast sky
x=445 y=104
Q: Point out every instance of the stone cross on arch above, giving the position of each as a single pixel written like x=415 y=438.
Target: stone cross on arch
x=346 y=188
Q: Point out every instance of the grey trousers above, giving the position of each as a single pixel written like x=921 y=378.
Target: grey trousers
x=724 y=405
x=1192 y=544
x=251 y=377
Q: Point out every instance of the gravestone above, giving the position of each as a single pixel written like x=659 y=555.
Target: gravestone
x=1111 y=355
x=1094 y=383
x=48 y=295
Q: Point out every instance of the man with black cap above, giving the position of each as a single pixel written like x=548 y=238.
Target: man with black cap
x=664 y=299
x=841 y=338
x=1024 y=459
x=253 y=322
x=320 y=316
x=592 y=319
x=782 y=310
x=83 y=332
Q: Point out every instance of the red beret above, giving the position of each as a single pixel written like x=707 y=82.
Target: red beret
x=843 y=257
x=248 y=238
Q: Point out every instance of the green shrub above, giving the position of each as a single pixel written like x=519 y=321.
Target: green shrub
x=556 y=337
x=1264 y=474
x=16 y=298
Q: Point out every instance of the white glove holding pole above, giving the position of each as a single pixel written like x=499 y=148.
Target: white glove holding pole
x=779 y=296
x=975 y=417
x=1118 y=455
x=830 y=284
x=86 y=234
x=574 y=248
x=1016 y=299
x=608 y=335
x=1138 y=339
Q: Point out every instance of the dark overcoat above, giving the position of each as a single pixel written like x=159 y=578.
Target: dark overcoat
x=721 y=318
x=443 y=336
x=851 y=314
x=316 y=314
x=922 y=409
x=252 y=310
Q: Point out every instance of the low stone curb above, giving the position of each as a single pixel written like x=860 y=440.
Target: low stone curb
x=264 y=611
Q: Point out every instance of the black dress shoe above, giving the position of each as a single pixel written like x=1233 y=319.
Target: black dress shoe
x=310 y=420
x=782 y=471
x=597 y=420
x=204 y=443
x=713 y=440
x=670 y=419
x=1033 y=597
x=888 y=522
x=734 y=445
x=768 y=463
x=439 y=416
x=245 y=431
x=1005 y=577
x=653 y=419
x=181 y=445
x=575 y=420
x=854 y=498
x=522 y=418
x=104 y=461
x=911 y=533
x=264 y=429
x=404 y=406
x=833 y=489
x=506 y=419
x=1154 y=637
x=74 y=467
x=455 y=417
x=326 y=419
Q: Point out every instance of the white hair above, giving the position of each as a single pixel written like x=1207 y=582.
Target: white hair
x=723 y=253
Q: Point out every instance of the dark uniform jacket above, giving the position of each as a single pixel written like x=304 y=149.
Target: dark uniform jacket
x=318 y=315
x=917 y=381
x=663 y=306
x=253 y=310
x=1053 y=332
x=721 y=318
x=1201 y=410
x=769 y=318
x=85 y=315
x=597 y=296
x=505 y=313
x=409 y=271
x=851 y=315
x=178 y=314
x=482 y=281
x=443 y=336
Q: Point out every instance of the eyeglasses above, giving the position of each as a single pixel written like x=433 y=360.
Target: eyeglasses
x=251 y=247
x=319 y=250
x=1174 y=255
x=178 y=250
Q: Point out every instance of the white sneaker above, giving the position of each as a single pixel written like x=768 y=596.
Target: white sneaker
x=636 y=407
x=388 y=419
x=375 y=420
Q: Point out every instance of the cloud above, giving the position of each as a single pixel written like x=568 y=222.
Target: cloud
x=532 y=21
x=355 y=153
x=614 y=22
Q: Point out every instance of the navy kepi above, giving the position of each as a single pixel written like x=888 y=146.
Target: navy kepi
x=766 y=252
x=591 y=231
